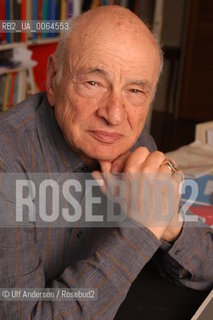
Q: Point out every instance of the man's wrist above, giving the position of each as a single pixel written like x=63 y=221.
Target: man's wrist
x=172 y=233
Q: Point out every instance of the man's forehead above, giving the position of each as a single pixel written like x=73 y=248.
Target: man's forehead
x=104 y=51
x=101 y=71
x=102 y=46
x=106 y=68
x=104 y=65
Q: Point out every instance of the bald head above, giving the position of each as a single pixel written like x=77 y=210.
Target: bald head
x=115 y=23
x=115 y=18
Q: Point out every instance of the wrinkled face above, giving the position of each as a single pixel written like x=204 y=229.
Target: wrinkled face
x=103 y=97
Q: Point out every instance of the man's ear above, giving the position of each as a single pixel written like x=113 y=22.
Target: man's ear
x=51 y=80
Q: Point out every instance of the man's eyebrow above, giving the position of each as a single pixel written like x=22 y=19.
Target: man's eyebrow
x=142 y=83
x=145 y=84
x=97 y=70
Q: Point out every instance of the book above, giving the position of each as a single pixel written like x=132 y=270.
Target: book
x=158 y=18
x=58 y=10
x=69 y=8
x=6 y=90
x=23 y=17
x=8 y=17
x=10 y=102
x=44 y=16
x=35 y=17
x=12 y=18
x=77 y=5
x=2 y=88
x=16 y=16
x=63 y=10
x=194 y=159
x=15 y=91
x=40 y=10
x=21 y=86
x=2 y=17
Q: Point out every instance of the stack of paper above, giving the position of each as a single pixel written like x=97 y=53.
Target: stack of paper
x=209 y=137
x=23 y=55
x=195 y=159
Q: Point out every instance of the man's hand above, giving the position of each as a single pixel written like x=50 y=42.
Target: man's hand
x=155 y=200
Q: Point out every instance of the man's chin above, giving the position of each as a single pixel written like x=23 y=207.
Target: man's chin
x=111 y=156
x=104 y=152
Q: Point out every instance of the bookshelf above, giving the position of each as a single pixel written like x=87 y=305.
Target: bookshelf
x=42 y=43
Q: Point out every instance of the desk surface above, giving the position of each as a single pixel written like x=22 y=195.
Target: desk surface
x=154 y=298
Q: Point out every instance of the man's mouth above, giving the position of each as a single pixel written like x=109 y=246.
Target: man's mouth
x=105 y=137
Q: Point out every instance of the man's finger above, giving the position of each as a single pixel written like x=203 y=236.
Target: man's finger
x=119 y=163
x=105 y=165
x=97 y=175
x=153 y=161
x=136 y=158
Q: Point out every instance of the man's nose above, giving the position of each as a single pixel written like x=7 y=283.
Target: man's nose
x=113 y=110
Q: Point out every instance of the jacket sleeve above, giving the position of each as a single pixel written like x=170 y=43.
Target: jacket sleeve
x=189 y=260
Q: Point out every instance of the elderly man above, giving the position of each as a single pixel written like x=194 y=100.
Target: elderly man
x=100 y=83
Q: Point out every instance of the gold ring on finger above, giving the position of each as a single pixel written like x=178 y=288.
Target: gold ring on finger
x=171 y=165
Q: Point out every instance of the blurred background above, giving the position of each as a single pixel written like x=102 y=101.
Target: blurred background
x=184 y=95
x=184 y=27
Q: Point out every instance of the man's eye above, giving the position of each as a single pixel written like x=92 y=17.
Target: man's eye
x=92 y=83
x=136 y=91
